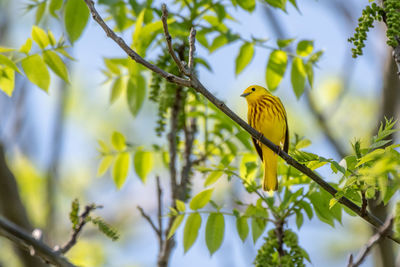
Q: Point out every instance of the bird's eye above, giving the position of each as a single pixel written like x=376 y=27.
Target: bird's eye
x=253 y=89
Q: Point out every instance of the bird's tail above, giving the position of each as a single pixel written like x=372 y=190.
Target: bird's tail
x=270 y=160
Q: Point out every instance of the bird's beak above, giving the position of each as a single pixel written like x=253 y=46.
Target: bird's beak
x=244 y=95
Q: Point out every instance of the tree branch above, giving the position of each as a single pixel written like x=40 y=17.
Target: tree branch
x=78 y=229
x=371 y=242
x=147 y=217
x=168 y=39
x=28 y=242
x=199 y=87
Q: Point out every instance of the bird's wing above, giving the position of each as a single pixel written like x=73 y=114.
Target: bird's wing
x=258 y=148
x=286 y=145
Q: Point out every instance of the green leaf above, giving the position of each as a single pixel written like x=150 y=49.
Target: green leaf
x=4 y=49
x=104 y=165
x=143 y=163
x=257 y=228
x=74 y=213
x=118 y=141
x=277 y=3
x=7 y=80
x=52 y=39
x=180 y=205
x=117 y=88
x=299 y=219
x=276 y=68
x=39 y=12
x=212 y=178
x=56 y=64
x=177 y=222
x=298 y=76
x=244 y=57
x=8 y=63
x=40 y=37
x=36 y=71
x=307 y=208
x=215 y=229
x=310 y=73
x=191 y=230
x=121 y=169
x=54 y=6
x=76 y=17
x=305 y=48
x=242 y=227
x=136 y=93
x=248 y=5
x=370 y=156
x=201 y=199
x=218 y=42
x=282 y=43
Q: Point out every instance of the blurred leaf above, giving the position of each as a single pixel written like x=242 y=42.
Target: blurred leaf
x=119 y=11
x=201 y=199
x=143 y=163
x=7 y=80
x=242 y=227
x=310 y=73
x=299 y=219
x=54 y=6
x=244 y=57
x=218 y=42
x=305 y=48
x=104 y=165
x=118 y=141
x=281 y=4
x=40 y=37
x=212 y=178
x=36 y=71
x=25 y=48
x=177 y=222
x=257 y=228
x=8 y=63
x=191 y=230
x=121 y=169
x=248 y=5
x=307 y=208
x=56 y=64
x=4 y=49
x=117 y=89
x=276 y=68
x=180 y=205
x=52 y=39
x=76 y=17
x=282 y=43
x=136 y=93
x=298 y=76
x=40 y=11
x=215 y=229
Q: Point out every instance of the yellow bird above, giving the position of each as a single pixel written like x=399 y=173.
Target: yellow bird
x=267 y=115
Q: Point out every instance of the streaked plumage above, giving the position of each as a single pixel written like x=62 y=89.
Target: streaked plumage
x=267 y=115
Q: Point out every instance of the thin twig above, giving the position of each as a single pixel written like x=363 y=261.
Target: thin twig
x=192 y=48
x=150 y=221
x=159 y=198
x=28 y=242
x=199 y=87
x=371 y=242
x=78 y=229
x=189 y=140
x=168 y=38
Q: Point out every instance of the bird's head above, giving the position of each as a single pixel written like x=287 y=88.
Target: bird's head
x=254 y=92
